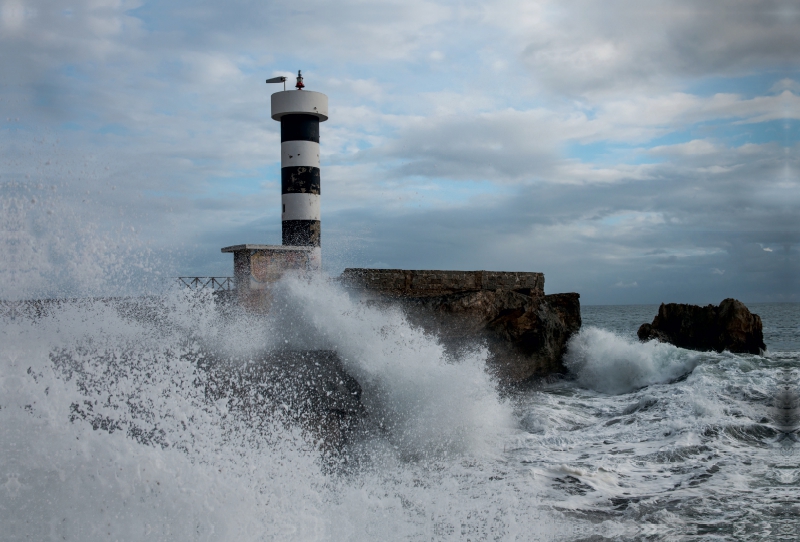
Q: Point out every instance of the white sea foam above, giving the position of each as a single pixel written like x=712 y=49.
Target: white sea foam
x=208 y=473
x=166 y=463
x=605 y=362
x=426 y=402
x=198 y=474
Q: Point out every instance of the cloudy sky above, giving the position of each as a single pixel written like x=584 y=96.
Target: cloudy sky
x=635 y=152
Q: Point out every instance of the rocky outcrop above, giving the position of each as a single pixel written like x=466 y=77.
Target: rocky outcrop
x=729 y=326
x=526 y=334
x=525 y=330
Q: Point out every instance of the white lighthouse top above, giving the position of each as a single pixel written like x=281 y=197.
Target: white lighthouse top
x=304 y=102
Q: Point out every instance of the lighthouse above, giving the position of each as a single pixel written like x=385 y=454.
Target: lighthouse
x=300 y=112
x=257 y=267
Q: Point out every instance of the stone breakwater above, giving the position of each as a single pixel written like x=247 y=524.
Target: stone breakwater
x=426 y=283
x=525 y=330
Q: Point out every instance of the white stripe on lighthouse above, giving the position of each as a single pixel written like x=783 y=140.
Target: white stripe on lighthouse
x=299 y=153
x=300 y=207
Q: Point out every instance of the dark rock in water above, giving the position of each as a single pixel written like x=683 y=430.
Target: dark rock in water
x=729 y=326
x=526 y=333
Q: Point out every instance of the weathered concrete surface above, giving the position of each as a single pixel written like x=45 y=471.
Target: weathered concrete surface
x=428 y=283
x=525 y=330
x=257 y=267
x=729 y=326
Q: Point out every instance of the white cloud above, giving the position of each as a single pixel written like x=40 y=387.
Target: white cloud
x=591 y=48
x=786 y=84
x=13 y=15
x=211 y=68
x=691 y=148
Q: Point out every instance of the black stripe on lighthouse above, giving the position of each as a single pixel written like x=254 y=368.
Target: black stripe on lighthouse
x=299 y=128
x=300 y=180
x=302 y=233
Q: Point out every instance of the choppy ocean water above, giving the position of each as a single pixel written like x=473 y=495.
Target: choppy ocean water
x=108 y=435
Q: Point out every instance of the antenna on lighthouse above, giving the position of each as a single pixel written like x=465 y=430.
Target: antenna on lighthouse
x=279 y=79
x=282 y=79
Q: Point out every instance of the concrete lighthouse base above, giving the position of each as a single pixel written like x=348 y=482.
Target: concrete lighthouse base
x=256 y=268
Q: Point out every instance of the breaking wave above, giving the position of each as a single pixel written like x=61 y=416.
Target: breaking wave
x=110 y=402
x=608 y=363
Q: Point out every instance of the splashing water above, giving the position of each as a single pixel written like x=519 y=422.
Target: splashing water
x=606 y=362
x=110 y=432
x=105 y=411
x=131 y=418
x=425 y=401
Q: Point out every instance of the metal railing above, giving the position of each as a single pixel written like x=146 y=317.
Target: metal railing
x=215 y=283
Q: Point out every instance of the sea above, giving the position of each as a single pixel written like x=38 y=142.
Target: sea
x=108 y=432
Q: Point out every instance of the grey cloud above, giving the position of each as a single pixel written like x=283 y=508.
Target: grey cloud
x=625 y=44
x=674 y=228
x=514 y=146
x=502 y=146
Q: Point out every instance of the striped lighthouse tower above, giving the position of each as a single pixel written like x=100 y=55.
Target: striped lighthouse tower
x=300 y=112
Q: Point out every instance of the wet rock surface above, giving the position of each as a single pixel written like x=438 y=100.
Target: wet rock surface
x=526 y=332
x=730 y=326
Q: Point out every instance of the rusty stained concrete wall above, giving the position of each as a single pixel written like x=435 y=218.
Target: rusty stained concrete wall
x=426 y=283
x=256 y=268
